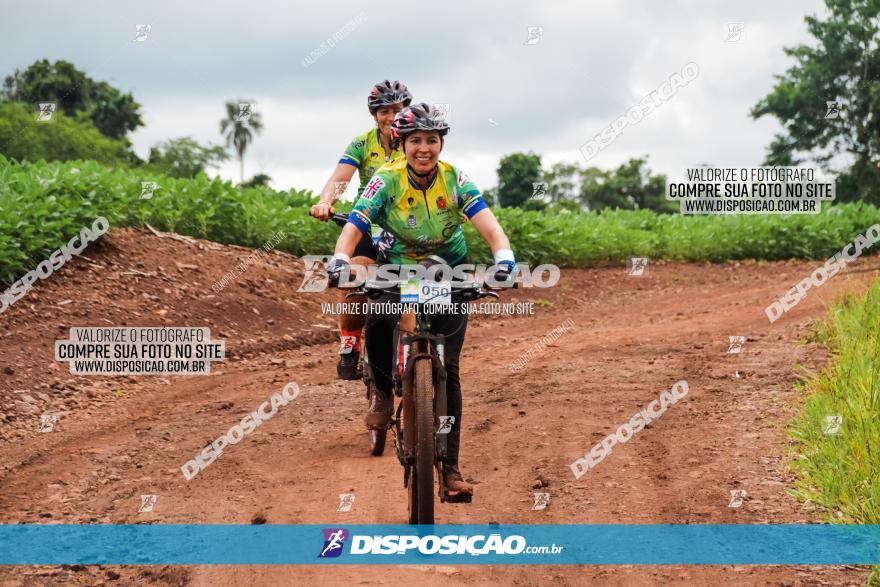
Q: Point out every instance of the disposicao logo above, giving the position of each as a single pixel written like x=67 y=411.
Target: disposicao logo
x=334 y=540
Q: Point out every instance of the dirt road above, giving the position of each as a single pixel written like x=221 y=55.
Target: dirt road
x=119 y=438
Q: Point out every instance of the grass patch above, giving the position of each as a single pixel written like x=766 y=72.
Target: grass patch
x=840 y=472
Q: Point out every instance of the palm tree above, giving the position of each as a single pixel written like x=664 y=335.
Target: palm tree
x=236 y=127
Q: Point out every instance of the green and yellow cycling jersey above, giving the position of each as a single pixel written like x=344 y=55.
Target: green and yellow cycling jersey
x=421 y=222
x=366 y=153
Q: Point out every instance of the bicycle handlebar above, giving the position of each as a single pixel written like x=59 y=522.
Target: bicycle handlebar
x=468 y=294
x=471 y=293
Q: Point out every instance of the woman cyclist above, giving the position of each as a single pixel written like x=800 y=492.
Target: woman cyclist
x=421 y=202
x=366 y=153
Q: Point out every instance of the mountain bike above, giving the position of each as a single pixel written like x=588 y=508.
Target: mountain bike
x=420 y=422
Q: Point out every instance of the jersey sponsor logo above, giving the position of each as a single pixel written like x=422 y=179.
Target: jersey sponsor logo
x=373 y=188
x=371 y=170
x=385 y=242
x=462 y=178
x=411 y=220
x=374 y=154
x=410 y=201
x=471 y=201
x=426 y=241
x=441 y=202
x=363 y=215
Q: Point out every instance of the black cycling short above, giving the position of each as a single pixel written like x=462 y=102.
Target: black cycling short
x=365 y=247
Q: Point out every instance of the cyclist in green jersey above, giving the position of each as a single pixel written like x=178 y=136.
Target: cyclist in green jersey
x=422 y=202
x=366 y=153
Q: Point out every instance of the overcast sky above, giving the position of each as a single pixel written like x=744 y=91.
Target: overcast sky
x=593 y=62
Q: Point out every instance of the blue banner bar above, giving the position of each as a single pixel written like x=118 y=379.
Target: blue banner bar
x=611 y=544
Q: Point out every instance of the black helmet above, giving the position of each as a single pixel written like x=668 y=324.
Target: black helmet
x=387 y=93
x=418 y=117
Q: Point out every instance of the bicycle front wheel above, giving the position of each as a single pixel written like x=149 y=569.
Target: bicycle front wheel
x=423 y=388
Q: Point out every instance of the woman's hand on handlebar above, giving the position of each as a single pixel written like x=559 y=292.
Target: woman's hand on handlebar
x=321 y=211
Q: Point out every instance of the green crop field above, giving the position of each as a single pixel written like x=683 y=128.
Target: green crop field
x=43 y=205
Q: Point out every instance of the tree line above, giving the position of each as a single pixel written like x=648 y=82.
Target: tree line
x=524 y=183
x=827 y=103
x=92 y=120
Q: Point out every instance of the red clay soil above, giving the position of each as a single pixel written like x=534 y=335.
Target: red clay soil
x=120 y=437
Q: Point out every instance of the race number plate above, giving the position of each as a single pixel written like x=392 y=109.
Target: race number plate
x=435 y=292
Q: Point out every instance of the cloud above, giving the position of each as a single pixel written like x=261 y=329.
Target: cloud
x=593 y=62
